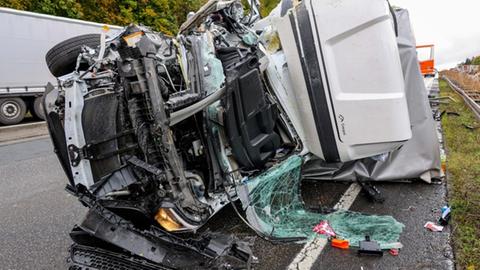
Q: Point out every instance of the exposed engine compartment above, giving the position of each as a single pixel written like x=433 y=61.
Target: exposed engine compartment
x=170 y=124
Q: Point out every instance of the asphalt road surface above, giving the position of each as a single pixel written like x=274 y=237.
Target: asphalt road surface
x=36 y=215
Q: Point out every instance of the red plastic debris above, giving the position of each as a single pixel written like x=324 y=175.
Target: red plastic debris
x=324 y=228
x=393 y=252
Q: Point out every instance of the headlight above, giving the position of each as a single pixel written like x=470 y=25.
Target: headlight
x=167 y=220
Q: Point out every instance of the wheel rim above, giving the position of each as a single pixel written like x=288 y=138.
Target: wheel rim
x=40 y=108
x=10 y=109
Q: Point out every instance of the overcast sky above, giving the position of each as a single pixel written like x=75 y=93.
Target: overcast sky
x=452 y=25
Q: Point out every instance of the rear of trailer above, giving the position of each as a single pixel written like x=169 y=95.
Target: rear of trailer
x=26 y=38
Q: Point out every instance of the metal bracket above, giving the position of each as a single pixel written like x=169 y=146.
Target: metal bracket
x=75 y=154
x=88 y=152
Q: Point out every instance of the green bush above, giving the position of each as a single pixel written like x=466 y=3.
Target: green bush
x=162 y=15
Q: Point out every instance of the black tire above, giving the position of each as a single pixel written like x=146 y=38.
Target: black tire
x=37 y=108
x=62 y=58
x=12 y=111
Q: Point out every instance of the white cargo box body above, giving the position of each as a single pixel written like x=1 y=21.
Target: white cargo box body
x=347 y=79
x=26 y=39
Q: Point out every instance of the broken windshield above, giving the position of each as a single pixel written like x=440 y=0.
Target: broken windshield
x=273 y=205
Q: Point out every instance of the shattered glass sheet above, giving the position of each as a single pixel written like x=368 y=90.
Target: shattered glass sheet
x=274 y=207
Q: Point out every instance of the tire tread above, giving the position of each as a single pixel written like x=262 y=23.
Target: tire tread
x=62 y=58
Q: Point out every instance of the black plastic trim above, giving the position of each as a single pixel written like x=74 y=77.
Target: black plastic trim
x=325 y=70
x=314 y=84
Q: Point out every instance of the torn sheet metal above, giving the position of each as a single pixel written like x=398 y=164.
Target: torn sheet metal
x=417 y=158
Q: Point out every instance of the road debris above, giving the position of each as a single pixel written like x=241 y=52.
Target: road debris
x=324 y=228
x=372 y=192
x=445 y=218
x=433 y=227
x=340 y=243
x=393 y=252
x=396 y=245
x=369 y=247
x=442 y=221
x=273 y=205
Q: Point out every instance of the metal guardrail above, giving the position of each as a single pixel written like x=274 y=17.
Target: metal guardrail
x=468 y=99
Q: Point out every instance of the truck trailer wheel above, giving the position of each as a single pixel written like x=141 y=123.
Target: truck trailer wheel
x=62 y=58
x=12 y=111
x=37 y=108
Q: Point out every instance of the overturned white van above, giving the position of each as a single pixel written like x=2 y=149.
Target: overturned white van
x=160 y=133
x=346 y=78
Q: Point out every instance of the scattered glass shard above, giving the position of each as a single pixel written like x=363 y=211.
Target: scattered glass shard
x=273 y=205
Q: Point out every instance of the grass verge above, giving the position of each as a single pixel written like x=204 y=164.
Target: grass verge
x=463 y=167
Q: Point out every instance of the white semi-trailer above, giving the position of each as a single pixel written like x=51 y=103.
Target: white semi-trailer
x=26 y=38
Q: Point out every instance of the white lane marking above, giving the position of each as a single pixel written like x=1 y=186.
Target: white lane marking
x=348 y=197
x=312 y=249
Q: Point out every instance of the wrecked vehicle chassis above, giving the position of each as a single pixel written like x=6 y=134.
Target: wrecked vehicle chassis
x=157 y=133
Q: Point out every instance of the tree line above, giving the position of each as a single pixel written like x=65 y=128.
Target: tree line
x=474 y=60
x=162 y=15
